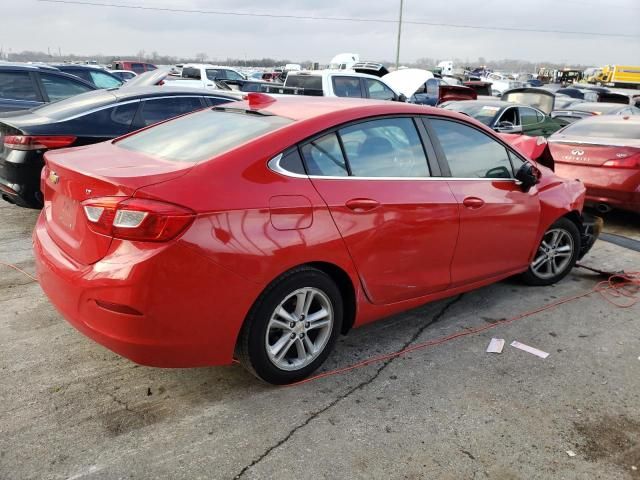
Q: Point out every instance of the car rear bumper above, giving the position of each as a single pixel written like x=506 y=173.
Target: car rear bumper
x=20 y=180
x=615 y=187
x=165 y=305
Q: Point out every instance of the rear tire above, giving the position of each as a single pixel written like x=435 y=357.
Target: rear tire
x=292 y=327
x=556 y=255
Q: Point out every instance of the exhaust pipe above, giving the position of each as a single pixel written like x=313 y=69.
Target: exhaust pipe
x=603 y=208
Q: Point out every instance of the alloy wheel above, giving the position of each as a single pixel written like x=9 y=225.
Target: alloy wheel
x=554 y=254
x=299 y=328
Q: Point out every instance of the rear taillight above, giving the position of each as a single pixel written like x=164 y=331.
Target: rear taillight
x=136 y=218
x=37 y=142
x=632 y=161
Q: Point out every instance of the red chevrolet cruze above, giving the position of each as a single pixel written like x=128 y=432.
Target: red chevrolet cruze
x=264 y=229
x=603 y=152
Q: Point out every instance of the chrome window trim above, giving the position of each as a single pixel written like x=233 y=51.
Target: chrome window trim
x=144 y=99
x=274 y=166
x=97 y=109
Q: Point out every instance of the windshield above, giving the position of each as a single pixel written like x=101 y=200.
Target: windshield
x=482 y=113
x=201 y=135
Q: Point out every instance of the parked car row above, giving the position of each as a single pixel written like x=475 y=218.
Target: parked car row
x=261 y=230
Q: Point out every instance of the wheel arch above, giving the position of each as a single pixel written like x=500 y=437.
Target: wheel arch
x=345 y=284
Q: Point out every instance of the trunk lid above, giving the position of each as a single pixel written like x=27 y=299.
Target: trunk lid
x=74 y=175
x=535 y=97
x=589 y=154
x=456 y=92
x=408 y=80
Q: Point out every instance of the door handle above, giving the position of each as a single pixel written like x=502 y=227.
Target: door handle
x=473 y=202
x=362 y=204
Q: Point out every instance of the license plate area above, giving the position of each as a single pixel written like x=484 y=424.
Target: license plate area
x=64 y=211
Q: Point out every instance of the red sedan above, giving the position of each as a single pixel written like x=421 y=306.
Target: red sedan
x=264 y=229
x=603 y=152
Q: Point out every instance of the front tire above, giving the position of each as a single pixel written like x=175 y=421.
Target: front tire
x=556 y=255
x=292 y=327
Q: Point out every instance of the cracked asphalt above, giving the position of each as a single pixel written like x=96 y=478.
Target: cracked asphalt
x=71 y=409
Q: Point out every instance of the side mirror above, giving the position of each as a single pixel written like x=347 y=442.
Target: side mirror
x=508 y=127
x=528 y=175
x=402 y=98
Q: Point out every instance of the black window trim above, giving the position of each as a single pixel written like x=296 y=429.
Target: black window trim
x=442 y=159
x=433 y=165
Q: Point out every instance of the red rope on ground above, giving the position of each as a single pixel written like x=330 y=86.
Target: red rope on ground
x=618 y=286
x=623 y=285
x=19 y=270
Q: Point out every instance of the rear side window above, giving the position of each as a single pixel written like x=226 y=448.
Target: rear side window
x=108 y=122
x=59 y=88
x=347 y=87
x=312 y=82
x=137 y=67
x=201 y=136
x=378 y=90
x=528 y=116
x=384 y=148
x=471 y=153
x=190 y=72
x=157 y=110
x=17 y=86
x=323 y=157
x=217 y=100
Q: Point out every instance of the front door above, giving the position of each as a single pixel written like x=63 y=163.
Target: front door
x=399 y=224
x=498 y=221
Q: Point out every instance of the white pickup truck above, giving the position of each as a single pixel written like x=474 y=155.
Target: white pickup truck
x=336 y=83
x=201 y=75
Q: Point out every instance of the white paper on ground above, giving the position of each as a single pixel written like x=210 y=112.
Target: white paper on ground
x=527 y=348
x=495 y=345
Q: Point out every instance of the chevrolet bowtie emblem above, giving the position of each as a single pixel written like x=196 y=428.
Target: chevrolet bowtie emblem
x=54 y=178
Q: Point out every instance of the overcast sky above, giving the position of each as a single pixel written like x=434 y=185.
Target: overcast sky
x=85 y=30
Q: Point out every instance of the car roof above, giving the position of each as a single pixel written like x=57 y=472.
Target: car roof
x=595 y=106
x=73 y=66
x=300 y=107
x=156 y=91
x=487 y=102
x=27 y=67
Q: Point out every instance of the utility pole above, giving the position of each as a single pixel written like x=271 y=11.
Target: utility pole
x=399 y=35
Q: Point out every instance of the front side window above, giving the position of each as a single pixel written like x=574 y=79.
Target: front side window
x=389 y=147
x=59 y=88
x=347 y=87
x=157 y=110
x=103 y=80
x=471 y=153
x=17 y=86
x=378 y=90
x=323 y=157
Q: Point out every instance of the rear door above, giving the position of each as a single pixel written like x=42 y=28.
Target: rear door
x=498 y=221
x=399 y=223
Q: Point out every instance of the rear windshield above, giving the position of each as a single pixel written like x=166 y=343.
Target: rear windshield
x=201 y=135
x=312 y=82
x=622 y=129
